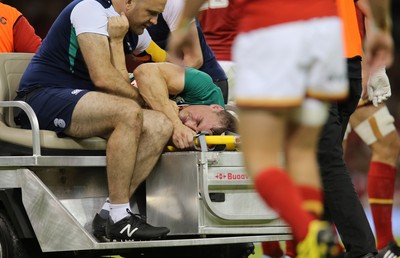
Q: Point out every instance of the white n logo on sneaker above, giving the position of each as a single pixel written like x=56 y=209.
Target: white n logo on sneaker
x=128 y=230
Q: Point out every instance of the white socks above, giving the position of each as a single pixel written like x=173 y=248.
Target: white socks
x=105 y=210
x=118 y=211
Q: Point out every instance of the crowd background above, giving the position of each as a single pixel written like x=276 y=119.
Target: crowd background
x=42 y=13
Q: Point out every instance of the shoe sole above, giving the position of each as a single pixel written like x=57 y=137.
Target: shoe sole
x=112 y=239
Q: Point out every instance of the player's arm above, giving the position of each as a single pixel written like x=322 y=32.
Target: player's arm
x=25 y=38
x=380 y=11
x=102 y=72
x=156 y=81
x=190 y=10
x=117 y=28
x=148 y=51
x=363 y=6
x=90 y=22
x=379 y=46
x=181 y=37
x=192 y=54
x=153 y=53
x=376 y=84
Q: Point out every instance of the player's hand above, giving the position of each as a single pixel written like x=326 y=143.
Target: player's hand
x=117 y=27
x=379 y=86
x=182 y=137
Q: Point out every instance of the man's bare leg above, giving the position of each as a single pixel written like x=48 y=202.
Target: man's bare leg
x=120 y=121
x=265 y=135
x=157 y=130
x=385 y=146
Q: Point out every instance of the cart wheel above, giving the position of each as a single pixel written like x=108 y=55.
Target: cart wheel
x=10 y=246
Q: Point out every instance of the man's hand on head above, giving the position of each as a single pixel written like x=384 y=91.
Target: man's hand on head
x=117 y=27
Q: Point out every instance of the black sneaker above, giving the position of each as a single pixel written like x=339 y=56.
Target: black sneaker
x=391 y=250
x=99 y=227
x=133 y=227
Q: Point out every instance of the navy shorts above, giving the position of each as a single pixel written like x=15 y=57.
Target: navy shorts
x=53 y=107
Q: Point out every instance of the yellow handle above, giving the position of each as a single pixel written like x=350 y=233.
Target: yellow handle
x=230 y=141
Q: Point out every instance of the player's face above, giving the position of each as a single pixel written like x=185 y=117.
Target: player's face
x=200 y=118
x=143 y=13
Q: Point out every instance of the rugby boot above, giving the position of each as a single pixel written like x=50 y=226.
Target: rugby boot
x=133 y=227
x=319 y=242
x=391 y=250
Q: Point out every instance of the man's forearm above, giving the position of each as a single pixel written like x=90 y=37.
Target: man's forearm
x=118 y=58
x=118 y=85
x=121 y=83
x=118 y=82
x=106 y=62
x=155 y=94
x=192 y=55
x=379 y=44
x=380 y=10
x=189 y=12
x=103 y=74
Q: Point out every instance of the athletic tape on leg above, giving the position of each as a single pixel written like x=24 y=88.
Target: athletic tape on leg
x=380 y=124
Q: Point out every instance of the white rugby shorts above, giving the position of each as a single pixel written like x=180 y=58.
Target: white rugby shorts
x=281 y=65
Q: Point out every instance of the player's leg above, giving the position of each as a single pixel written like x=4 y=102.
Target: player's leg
x=375 y=126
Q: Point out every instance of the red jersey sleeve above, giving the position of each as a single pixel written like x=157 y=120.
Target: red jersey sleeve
x=25 y=38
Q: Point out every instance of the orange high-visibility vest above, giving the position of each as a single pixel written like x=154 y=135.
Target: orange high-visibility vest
x=351 y=33
x=8 y=16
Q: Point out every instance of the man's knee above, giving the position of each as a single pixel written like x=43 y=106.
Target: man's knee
x=376 y=127
x=128 y=112
x=387 y=147
x=144 y=70
x=157 y=124
x=165 y=128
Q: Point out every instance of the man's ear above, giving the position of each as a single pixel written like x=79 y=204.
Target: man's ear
x=129 y=4
x=216 y=107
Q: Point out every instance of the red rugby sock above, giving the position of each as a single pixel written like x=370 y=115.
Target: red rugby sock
x=282 y=195
x=381 y=179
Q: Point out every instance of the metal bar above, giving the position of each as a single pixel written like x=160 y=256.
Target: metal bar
x=194 y=242
x=52 y=161
x=32 y=119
